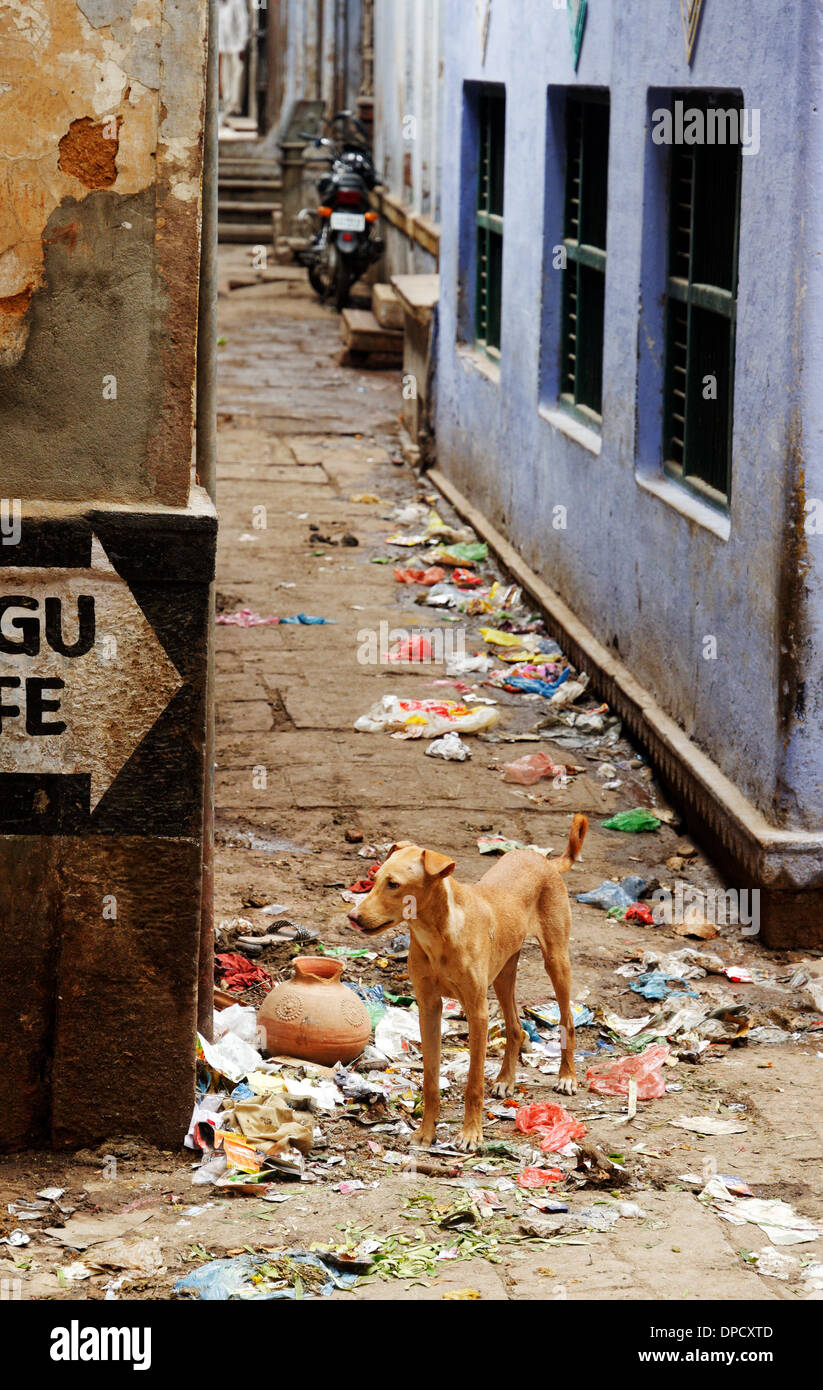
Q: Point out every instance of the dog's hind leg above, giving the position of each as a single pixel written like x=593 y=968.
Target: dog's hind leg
x=515 y=1037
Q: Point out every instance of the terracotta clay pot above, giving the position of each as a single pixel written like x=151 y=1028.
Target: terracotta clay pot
x=315 y=1016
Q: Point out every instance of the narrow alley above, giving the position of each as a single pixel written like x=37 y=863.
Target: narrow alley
x=304 y=441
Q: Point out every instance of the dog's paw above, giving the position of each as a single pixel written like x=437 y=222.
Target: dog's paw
x=470 y=1139
x=503 y=1089
x=423 y=1138
x=567 y=1086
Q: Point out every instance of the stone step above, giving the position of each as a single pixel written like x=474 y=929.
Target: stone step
x=255 y=233
x=247 y=207
x=251 y=188
x=362 y=333
x=386 y=307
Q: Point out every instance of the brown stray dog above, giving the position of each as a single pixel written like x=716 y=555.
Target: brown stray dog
x=467 y=936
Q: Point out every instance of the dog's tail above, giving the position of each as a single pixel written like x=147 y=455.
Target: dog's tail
x=577 y=835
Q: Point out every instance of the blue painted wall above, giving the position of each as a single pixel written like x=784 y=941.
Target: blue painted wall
x=653 y=572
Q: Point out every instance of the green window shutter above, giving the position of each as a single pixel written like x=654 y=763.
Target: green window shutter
x=489 y=220
x=701 y=308
x=584 y=239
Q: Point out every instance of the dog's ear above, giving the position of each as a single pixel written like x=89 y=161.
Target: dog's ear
x=437 y=865
x=401 y=844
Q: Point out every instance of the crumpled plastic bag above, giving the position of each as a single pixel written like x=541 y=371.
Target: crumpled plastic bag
x=234 y=1278
x=427 y=718
x=450 y=748
x=654 y=984
x=433 y=575
x=539 y=1177
x=556 y=1126
x=240 y=1019
x=611 y=894
x=396 y=1029
x=462 y=553
x=532 y=768
x=230 y=1056
x=646 y=1068
x=632 y=821
x=412 y=648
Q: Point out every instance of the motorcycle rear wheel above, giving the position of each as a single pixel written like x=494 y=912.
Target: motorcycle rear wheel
x=342 y=285
x=319 y=281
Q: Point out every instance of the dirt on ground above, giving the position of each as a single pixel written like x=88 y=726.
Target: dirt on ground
x=304 y=438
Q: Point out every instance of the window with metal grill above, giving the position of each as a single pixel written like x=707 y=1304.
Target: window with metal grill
x=489 y=220
x=701 y=307
x=584 y=239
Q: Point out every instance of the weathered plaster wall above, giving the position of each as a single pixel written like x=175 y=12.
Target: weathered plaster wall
x=650 y=579
x=100 y=152
x=102 y=804
x=408 y=119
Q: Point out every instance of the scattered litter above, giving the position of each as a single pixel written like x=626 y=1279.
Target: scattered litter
x=245 y=617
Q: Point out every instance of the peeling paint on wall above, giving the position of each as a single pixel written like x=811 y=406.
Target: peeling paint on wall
x=100 y=98
x=88 y=151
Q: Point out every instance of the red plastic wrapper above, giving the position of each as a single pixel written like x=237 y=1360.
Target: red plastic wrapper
x=464 y=579
x=414 y=648
x=532 y=768
x=238 y=973
x=646 y=1067
x=539 y=1177
x=434 y=575
x=639 y=912
x=555 y=1125
x=365 y=885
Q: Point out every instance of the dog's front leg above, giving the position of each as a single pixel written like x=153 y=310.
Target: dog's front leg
x=430 y=1006
x=477 y=1012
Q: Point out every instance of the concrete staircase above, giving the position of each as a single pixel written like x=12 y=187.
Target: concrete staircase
x=247 y=197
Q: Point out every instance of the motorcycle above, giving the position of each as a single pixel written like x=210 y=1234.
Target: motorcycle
x=345 y=239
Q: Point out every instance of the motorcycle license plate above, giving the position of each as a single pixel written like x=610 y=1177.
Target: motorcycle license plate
x=348 y=222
